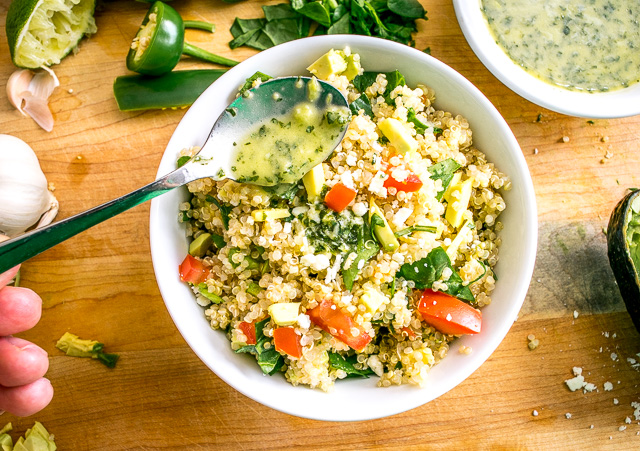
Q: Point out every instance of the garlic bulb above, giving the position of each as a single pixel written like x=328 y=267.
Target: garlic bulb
x=24 y=196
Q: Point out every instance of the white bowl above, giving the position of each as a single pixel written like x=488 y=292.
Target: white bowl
x=620 y=103
x=352 y=399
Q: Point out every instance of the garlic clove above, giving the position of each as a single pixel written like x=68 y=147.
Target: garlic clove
x=38 y=109
x=29 y=92
x=51 y=213
x=17 y=84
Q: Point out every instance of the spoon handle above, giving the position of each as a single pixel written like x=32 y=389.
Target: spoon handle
x=23 y=247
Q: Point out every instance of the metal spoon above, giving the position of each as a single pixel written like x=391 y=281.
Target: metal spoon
x=274 y=98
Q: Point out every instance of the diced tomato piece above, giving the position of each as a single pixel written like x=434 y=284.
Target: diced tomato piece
x=339 y=197
x=411 y=184
x=249 y=331
x=286 y=340
x=193 y=270
x=448 y=314
x=334 y=321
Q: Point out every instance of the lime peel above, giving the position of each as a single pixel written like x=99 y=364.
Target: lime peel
x=42 y=32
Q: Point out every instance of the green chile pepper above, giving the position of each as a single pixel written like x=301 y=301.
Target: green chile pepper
x=159 y=43
x=177 y=89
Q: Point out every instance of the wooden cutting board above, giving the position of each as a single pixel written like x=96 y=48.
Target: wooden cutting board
x=101 y=285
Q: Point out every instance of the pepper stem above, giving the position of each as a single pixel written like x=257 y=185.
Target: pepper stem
x=200 y=25
x=202 y=54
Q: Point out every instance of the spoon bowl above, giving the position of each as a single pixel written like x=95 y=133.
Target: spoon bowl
x=270 y=100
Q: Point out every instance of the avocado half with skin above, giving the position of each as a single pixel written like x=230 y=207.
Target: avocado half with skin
x=623 y=240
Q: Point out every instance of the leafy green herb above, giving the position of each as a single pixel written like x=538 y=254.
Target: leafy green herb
x=484 y=267
x=182 y=160
x=394 y=79
x=389 y=19
x=218 y=240
x=224 y=209
x=204 y=291
x=334 y=232
x=444 y=171
x=366 y=248
x=415 y=228
x=420 y=126
x=347 y=365
x=427 y=50
x=427 y=270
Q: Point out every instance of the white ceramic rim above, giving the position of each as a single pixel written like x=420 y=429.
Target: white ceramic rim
x=621 y=103
x=352 y=399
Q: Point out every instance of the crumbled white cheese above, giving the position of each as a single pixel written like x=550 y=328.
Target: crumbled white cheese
x=575 y=314
x=376 y=186
x=589 y=387
x=636 y=413
x=577 y=371
x=534 y=413
x=287 y=227
x=360 y=209
x=615 y=401
x=567 y=415
x=347 y=179
x=608 y=386
x=401 y=216
x=449 y=317
x=622 y=428
x=575 y=383
x=614 y=356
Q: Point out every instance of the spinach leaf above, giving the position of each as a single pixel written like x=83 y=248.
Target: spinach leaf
x=283 y=192
x=394 y=79
x=366 y=249
x=407 y=8
x=340 y=26
x=248 y=84
x=270 y=360
x=340 y=363
x=363 y=81
x=444 y=171
x=420 y=126
x=427 y=270
x=182 y=160
x=279 y=11
x=314 y=11
x=361 y=103
x=415 y=228
x=282 y=30
x=224 y=209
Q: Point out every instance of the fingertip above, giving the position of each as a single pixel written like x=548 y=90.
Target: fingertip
x=8 y=275
x=27 y=399
x=20 y=310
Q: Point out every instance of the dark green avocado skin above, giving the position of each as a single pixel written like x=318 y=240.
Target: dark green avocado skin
x=619 y=258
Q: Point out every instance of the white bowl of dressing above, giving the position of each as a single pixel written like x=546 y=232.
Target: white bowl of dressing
x=615 y=103
x=352 y=399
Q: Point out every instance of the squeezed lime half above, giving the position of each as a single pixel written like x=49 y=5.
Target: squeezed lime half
x=42 y=32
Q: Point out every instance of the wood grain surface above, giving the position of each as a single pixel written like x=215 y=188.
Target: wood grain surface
x=161 y=396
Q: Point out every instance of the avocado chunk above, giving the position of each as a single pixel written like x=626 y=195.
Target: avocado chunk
x=285 y=313
x=460 y=196
x=74 y=346
x=398 y=135
x=372 y=299
x=381 y=229
x=331 y=63
x=270 y=214
x=200 y=246
x=353 y=66
x=314 y=182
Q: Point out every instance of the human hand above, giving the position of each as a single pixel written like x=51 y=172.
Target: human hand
x=23 y=390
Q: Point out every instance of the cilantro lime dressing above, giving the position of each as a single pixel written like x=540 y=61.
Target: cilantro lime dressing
x=283 y=149
x=586 y=45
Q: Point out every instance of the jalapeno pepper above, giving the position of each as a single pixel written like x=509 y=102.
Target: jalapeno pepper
x=159 y=43
x=177 y=89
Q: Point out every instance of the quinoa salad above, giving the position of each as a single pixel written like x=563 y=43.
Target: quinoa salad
x=369 y=266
